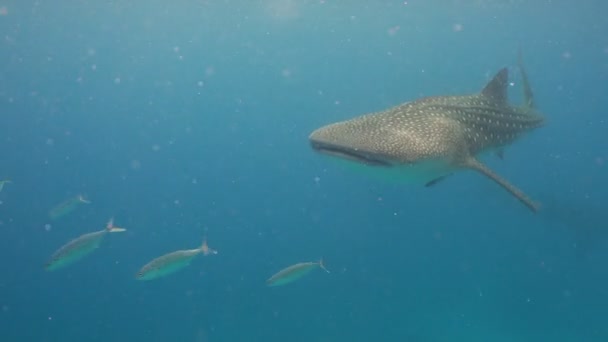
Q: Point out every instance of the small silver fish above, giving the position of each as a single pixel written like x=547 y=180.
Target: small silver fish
x=171 y=262
x=294 y=272
x=79 y=247
x=67 y=206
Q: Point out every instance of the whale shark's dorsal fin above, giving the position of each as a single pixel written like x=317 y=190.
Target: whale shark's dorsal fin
x=496 y=89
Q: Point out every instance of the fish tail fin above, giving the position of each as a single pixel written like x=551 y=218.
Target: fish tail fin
x=113 y=229
x=2 y=182
x=527 y=89
x=322 y=265
x=82 y=199
x=205 y=248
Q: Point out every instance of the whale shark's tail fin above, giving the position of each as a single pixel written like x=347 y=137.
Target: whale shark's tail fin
x=528 y=95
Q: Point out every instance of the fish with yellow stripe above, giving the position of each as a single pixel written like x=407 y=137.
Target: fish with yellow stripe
x=80 y=247
x=172 y=262
x=294 y=272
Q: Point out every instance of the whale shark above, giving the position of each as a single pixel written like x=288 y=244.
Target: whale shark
x=428 y=139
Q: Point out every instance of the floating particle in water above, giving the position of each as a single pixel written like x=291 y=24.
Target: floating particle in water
x=283 y=9
x=457 y=27
x=48 y=227
x=155 y=147
x=599 y=161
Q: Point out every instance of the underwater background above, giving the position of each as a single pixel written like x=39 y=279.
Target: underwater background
x=185 y=119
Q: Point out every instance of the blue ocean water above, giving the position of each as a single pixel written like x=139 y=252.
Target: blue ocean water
x=190 y=118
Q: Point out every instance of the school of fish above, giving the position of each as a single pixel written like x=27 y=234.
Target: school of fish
x=162 y=266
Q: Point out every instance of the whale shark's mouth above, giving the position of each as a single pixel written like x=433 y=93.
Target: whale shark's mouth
x=349 y=154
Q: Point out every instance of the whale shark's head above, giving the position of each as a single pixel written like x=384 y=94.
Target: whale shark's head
x=351 y=142
x=396 y=137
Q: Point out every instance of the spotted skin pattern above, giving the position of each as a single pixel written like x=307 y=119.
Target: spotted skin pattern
x=450 y=129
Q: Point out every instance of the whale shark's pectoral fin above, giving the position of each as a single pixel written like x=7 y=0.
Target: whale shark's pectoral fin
x=436 y=180
x=500 y=153
x=476 y=165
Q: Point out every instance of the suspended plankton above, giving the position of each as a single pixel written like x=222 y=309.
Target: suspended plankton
x=80 y=247
x=172 y=262
x=67 y=206
x=294 y=272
